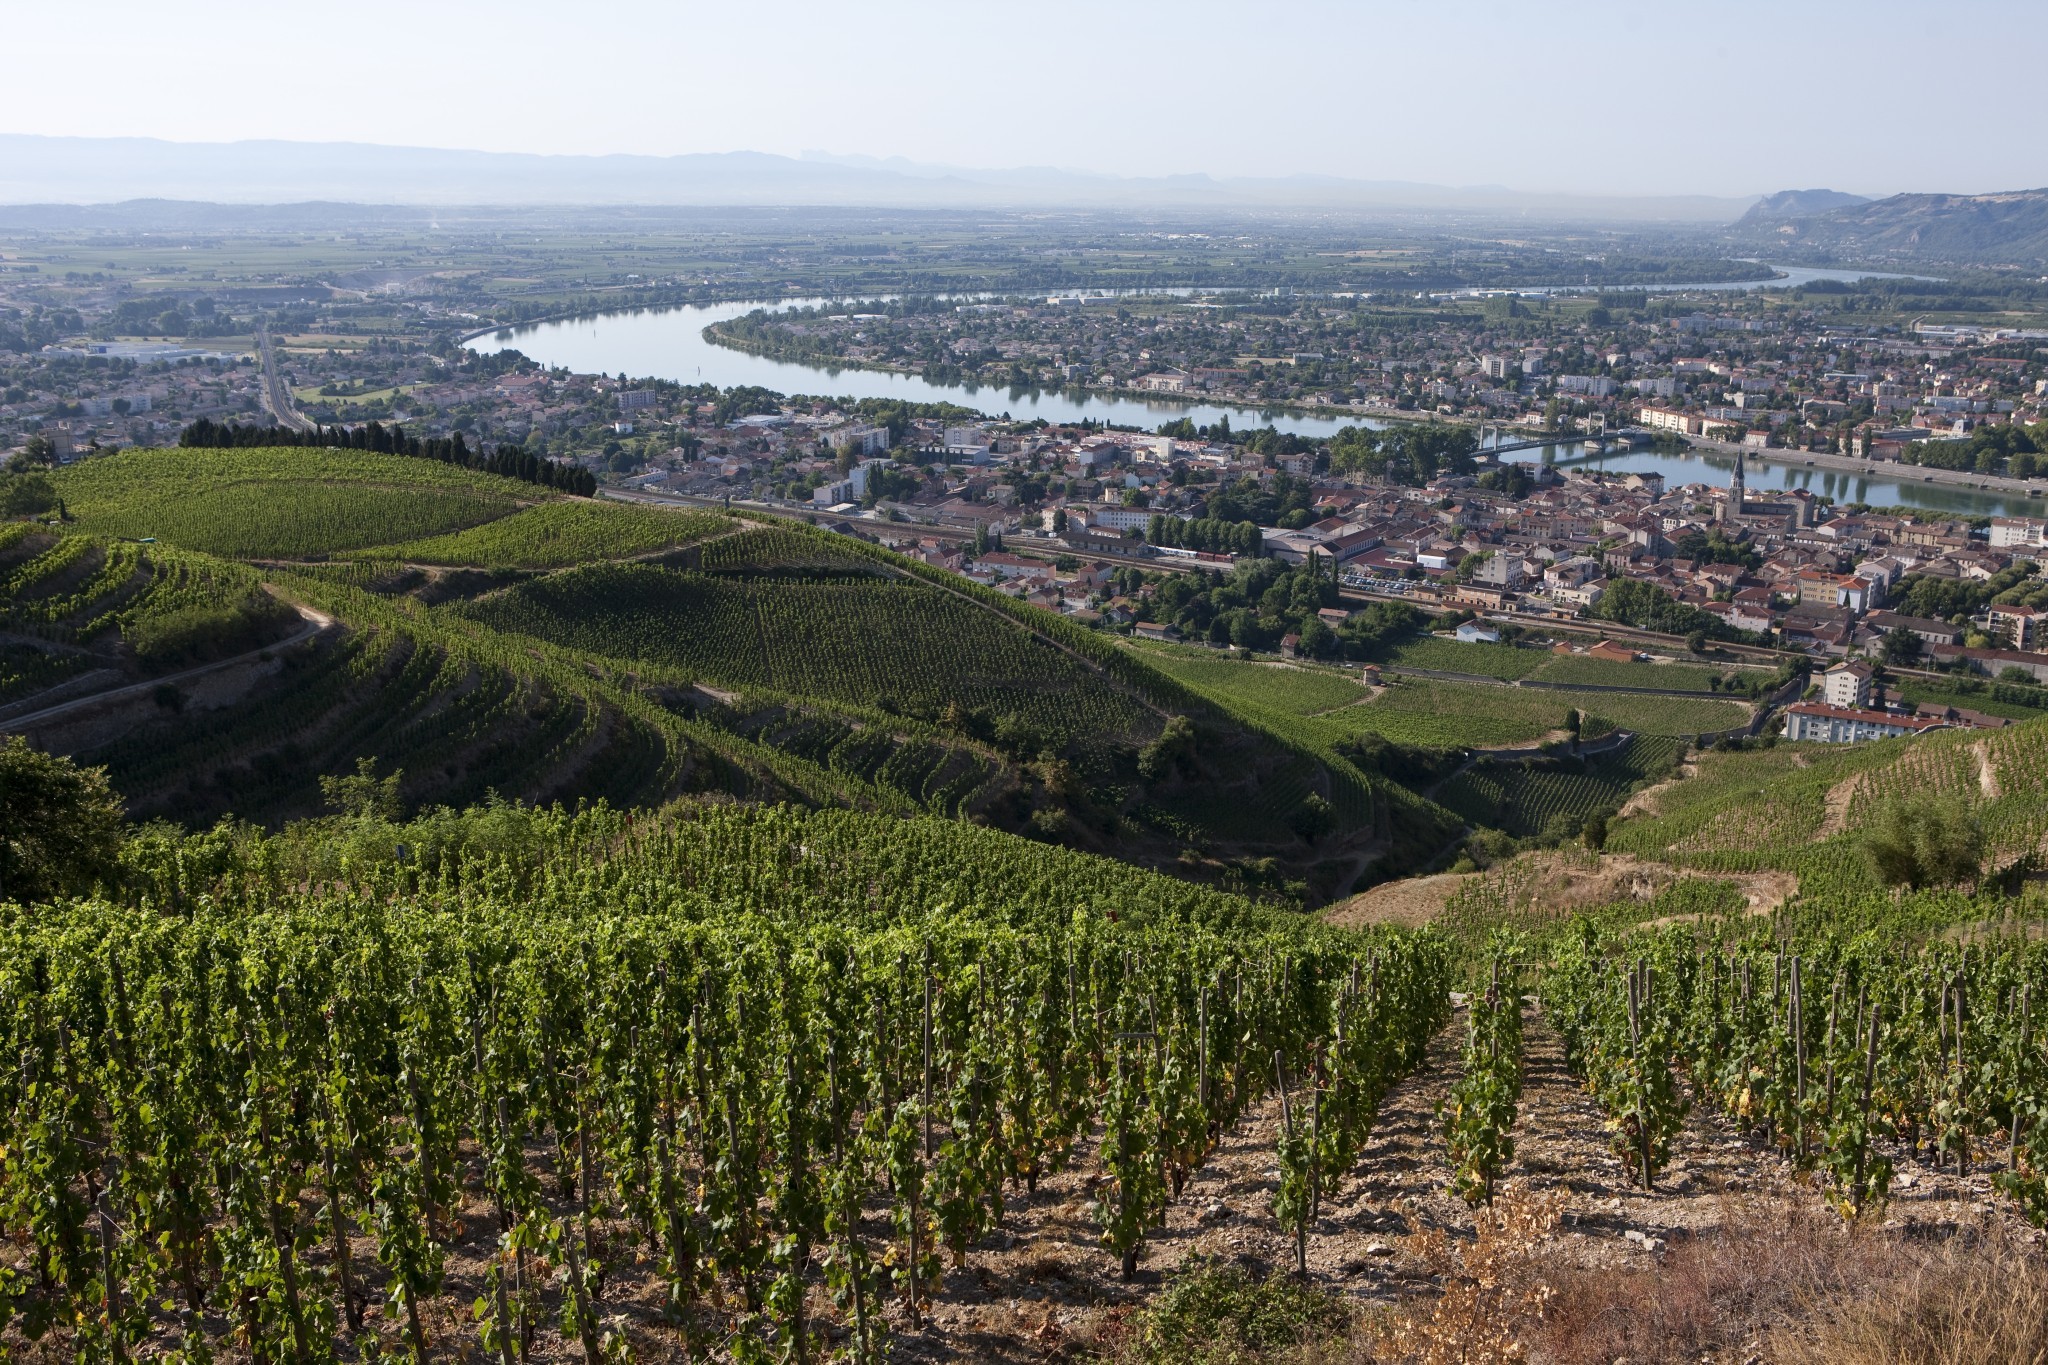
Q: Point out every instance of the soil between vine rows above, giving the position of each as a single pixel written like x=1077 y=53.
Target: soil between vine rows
x=1042 y=1287
x=1009 y=1305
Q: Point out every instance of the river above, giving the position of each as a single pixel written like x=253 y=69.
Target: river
x=668 y=343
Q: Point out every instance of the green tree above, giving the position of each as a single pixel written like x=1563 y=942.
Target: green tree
x=1921 y=842
x=1901 y=647
x=23 y=495
x=1314 y=818
x=60 y=824
x=365 y=796
x=39 y=453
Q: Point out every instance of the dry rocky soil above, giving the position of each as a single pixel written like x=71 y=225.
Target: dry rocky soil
x=1047 y=1287
x=1042 y=1287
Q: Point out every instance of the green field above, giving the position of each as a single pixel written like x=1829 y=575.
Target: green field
x=284 y=503
x=1324 y=706
x=562 y=533
x=1296 y=690
x=1505 y=662
x=1577 y=668
x=1661 y=715
x=1456 y=715
x=1510 y=663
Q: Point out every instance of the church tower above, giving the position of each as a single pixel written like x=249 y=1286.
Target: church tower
x=1736 y=491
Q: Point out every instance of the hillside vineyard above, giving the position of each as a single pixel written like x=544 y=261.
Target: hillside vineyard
x=733 y=1056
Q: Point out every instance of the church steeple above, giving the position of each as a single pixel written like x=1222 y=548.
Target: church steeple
x=1736 y=490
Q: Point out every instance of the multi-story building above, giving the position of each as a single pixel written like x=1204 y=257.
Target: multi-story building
x=1820 y=723
x=1846 y=686
x=2025 y=627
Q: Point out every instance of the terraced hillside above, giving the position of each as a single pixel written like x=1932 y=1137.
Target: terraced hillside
x=489 y=636
x=562 y=533
x=208 y=688
x=1809 y=809
x=281 y=503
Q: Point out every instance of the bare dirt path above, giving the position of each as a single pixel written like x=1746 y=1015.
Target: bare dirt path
x=1840 y=797
x=1987 y=771
x=1644 y=801
x=314 y=623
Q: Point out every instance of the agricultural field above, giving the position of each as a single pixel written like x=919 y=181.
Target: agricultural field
x=767 y=996
x=562 y=533
x=1443 y=714
x=1288 y=688
x=743 y=994
x=886 y=646
x=1673 y=677
x=281 y=503
x=1506 y=662
x=1662 y=715
x=1555 y=795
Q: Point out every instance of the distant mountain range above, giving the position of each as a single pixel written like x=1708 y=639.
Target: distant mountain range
x=2008 y=228
x=77 y=171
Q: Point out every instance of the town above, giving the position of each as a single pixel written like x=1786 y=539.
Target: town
x=1197 y=685
x=1413 y=509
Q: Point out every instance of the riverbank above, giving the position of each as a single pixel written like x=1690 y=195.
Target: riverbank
x=1889 y=470
x=1364 y=412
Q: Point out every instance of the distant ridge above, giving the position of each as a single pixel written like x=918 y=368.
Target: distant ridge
x=78 y=171
x=1800 y=204
x=2007 y=228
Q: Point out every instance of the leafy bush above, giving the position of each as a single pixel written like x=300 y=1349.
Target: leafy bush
x=1222 y=1314
x=204 y=631
x=60 y=825
x=25 y=495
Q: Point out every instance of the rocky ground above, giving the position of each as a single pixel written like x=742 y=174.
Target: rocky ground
x=1045 y=1288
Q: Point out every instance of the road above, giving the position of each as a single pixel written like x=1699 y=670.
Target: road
x=315 y=622
x=276 y=396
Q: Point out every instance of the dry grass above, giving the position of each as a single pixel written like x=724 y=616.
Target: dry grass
x=1805 y=1290
x=1716 y=1297
x=1954 y=1304
x=1794 y=1288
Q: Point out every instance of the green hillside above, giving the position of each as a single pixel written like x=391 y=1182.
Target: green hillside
x=1810 y=808
x=238 y=698
x=490 y=637
x=890 y=645
x=562 y=533
x=280 y=503
x=1555 y=794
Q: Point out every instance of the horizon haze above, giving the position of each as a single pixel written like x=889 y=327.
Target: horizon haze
x=1601 y=99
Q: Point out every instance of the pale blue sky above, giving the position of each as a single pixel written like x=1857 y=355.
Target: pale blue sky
x=1651 y=98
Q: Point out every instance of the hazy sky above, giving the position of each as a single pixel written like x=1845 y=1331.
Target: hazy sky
x=1642 y=97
